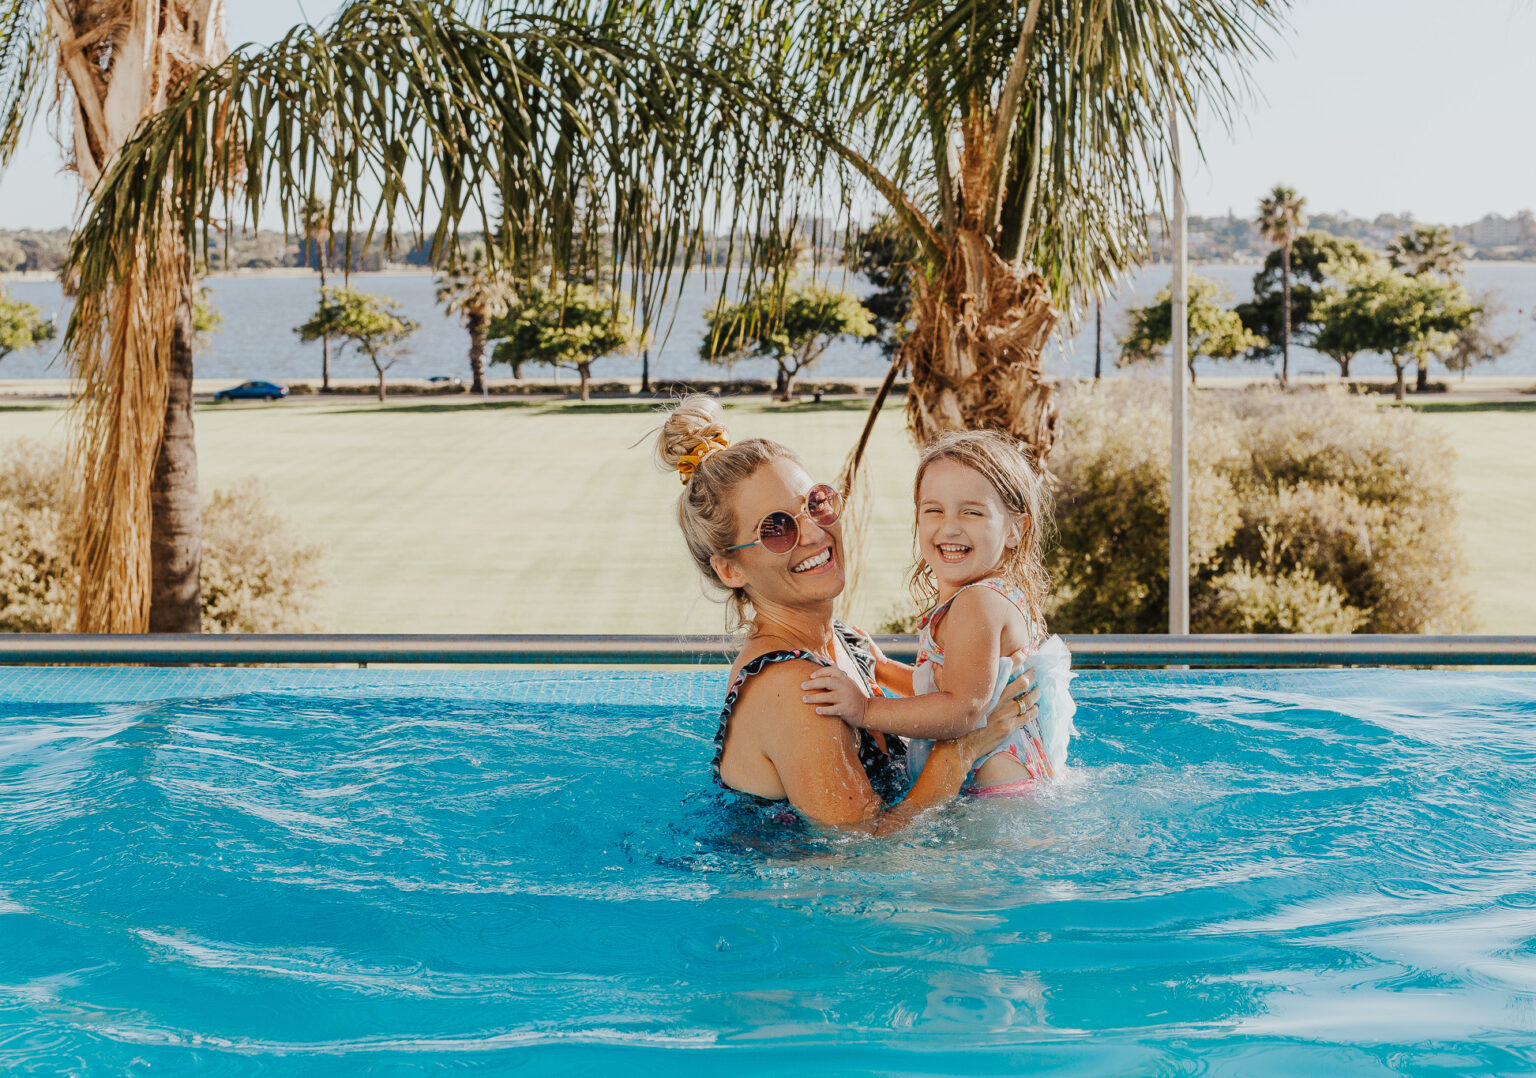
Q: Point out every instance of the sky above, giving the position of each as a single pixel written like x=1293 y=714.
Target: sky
x=1366 y=106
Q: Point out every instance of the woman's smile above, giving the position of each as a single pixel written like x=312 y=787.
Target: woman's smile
x=820 y=560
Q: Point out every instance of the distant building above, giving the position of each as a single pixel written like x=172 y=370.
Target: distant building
x=1496 y=231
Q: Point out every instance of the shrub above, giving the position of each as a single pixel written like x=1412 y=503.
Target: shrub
x=258 y=575
x=1309 y=512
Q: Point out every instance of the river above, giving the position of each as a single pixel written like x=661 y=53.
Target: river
x=257 y=339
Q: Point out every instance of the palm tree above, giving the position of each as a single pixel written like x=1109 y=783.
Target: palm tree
x=139 y=550
x=315 y=216
x=1281 y=219
x=1016 y=147
x=477 y=290
x=1428 y=249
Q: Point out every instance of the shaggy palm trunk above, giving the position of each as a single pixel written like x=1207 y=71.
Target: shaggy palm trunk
x=976 y=349
x=475 y=321
x=1285 y=316
x=325 y=339
x=176 y=535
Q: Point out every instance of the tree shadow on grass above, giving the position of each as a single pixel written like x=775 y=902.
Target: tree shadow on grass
x=836 y=404
x=1468 y=407
x=439 y=407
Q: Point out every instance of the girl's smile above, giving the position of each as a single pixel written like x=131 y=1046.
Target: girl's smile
x=963 y=528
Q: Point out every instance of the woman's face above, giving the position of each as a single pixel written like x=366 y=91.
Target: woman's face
x=812 y=572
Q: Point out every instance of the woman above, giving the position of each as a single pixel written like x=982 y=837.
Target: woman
x=763 y=532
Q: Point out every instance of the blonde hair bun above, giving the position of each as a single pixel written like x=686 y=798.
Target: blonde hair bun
x=696 y=419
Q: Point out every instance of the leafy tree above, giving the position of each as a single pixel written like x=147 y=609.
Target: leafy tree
x=1381 y=309
x=889 y=258
x=564 y=326
x=793 y=329
x=1313 y=257
x=1479 y=342
x=477 y=290
x=372 y=323
x=1214 y=331
x=12 y=255
x=206 y=318
x=1281 y=218
x=137 y=503
x=21 y=325
x=1428 y=249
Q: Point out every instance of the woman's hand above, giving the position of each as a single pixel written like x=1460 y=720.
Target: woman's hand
x=1019 y=704
x=835 y=693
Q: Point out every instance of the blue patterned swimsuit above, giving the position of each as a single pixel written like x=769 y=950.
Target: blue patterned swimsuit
x=885 y=763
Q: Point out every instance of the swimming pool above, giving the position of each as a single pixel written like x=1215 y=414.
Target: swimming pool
x=299 y=871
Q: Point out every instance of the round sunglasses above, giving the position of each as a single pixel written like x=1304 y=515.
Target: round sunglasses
x=779 y=532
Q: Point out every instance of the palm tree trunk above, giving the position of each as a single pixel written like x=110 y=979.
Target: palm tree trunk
x=1285 y=315
x=176 y=536
x=977 y=349
x=1098 y=340
x=325 y=339
x=475 y=322
x=645 y=371
x=585 y=370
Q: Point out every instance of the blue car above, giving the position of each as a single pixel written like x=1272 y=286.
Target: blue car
x=252 y=391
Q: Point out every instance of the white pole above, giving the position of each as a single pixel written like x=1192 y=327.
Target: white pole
x=1178 y=474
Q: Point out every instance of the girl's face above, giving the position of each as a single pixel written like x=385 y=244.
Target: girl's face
x=963 y=529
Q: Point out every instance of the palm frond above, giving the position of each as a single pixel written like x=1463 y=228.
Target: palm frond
x=25 y=63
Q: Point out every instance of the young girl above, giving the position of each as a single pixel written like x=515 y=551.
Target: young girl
x=981 y=511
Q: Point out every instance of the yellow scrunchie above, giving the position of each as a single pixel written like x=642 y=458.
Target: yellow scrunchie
x=691 y=461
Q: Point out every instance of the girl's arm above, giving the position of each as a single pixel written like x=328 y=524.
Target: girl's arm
x=817 y=757
x=973 y=632
x=893 y=675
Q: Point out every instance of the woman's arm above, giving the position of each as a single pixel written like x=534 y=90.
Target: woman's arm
x=973 y=630
x=817 y=756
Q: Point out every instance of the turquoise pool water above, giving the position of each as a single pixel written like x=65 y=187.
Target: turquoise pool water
x=349 y=872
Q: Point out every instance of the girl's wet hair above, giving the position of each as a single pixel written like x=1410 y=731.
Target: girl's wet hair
x=706 y=511
x=1009 y=467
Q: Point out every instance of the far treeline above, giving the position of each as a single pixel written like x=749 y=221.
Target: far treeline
x=1337 y=296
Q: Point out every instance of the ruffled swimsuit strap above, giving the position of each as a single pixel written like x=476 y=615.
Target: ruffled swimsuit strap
x=928 y=649
x=885 y=767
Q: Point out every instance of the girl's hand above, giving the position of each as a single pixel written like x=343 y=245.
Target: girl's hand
x=835 y=693
x=1020 y=703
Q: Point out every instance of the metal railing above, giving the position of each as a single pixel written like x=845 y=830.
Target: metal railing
x=1087 y=651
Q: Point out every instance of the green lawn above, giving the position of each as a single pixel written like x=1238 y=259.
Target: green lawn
x=540 y=517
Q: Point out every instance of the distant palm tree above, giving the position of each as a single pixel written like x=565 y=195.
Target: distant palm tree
x=1428 y=249
x=139 y=551
x=316 y=219
x=477 y=290
x=1281 y=219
